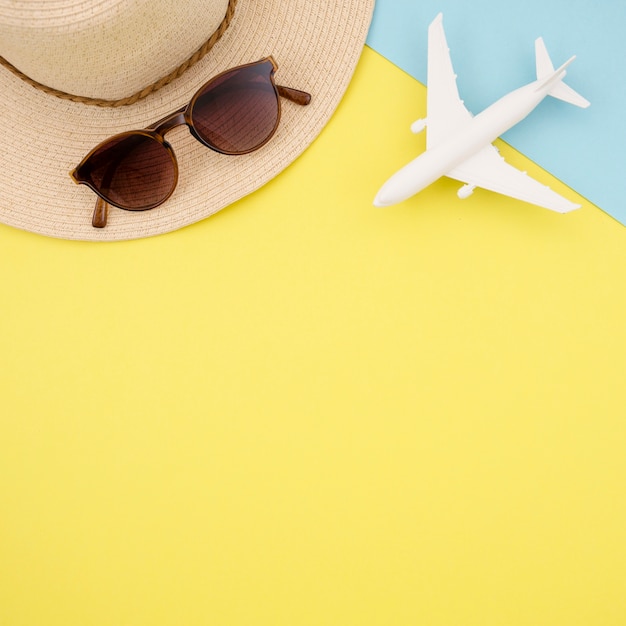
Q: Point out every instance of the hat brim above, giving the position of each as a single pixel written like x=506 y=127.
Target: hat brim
x=316 y=44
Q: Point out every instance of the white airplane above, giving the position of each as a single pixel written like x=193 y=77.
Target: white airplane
x=458 y=145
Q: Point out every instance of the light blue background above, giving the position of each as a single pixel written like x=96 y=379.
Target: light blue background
x=492 y=49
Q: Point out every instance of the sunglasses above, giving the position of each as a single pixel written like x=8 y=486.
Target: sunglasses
x=236 y=112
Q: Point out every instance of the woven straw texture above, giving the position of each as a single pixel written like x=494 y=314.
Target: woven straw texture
x=316 y=44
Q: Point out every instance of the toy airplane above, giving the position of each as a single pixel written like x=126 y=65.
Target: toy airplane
x=458 y=145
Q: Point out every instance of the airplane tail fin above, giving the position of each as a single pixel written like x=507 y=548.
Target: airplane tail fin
x=545 y=70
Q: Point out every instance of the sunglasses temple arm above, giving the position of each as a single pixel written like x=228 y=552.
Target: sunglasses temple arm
x=101 y=210
x=294 y=95
x=100 y=213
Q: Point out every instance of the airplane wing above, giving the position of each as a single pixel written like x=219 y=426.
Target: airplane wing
x=446 y=111
x=489 y=170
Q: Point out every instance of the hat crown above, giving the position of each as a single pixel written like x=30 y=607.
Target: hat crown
x=104 y=48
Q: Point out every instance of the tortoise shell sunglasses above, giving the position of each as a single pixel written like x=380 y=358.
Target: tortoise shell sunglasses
x=236 y=112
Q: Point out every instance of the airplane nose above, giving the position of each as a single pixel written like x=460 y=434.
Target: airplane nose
x=381 y=199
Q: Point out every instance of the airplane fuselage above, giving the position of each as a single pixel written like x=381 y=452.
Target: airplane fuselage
x=463 y=143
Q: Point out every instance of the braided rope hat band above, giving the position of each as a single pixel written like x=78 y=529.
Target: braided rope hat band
x=140 y=93
x=108 y=49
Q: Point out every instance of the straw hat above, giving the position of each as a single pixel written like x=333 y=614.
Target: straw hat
x=149 y=57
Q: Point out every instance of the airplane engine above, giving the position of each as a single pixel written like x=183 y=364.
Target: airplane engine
x=418 y=126
x=466 y=191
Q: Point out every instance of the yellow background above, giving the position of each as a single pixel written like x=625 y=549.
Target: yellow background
x=308 y=411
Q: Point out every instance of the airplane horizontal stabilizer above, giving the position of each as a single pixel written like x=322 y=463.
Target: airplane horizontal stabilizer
x=567 y=94
x=545 y=70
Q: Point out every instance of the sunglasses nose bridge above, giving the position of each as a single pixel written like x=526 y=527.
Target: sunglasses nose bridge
x=171 y=121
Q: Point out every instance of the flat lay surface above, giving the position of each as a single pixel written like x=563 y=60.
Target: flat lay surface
x=308 y=410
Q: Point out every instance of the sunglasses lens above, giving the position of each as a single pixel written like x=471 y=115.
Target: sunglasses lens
x=237 y=111
x=132 y=171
